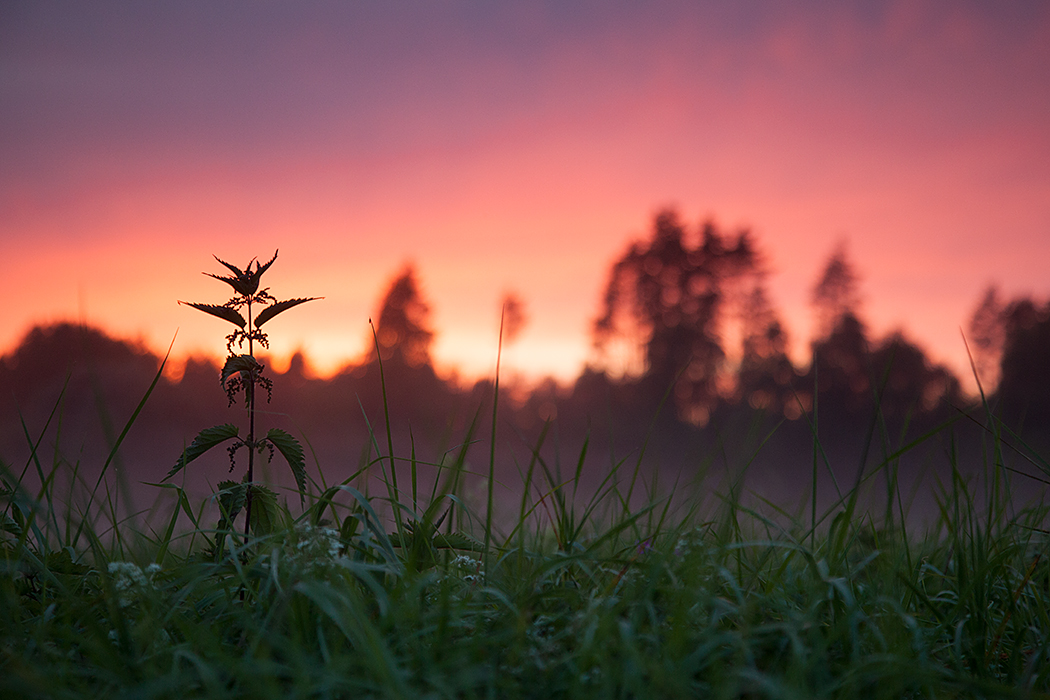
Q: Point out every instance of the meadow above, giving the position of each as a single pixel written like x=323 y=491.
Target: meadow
x=417 y=589
x=412 y=577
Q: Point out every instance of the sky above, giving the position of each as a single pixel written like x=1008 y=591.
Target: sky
x=515 y=146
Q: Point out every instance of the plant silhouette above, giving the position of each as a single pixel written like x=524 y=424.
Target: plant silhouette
x=242 y=372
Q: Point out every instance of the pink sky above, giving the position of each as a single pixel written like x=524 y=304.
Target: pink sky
x=512 y=148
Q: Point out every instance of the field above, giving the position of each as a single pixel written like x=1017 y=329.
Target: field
x=627 y=590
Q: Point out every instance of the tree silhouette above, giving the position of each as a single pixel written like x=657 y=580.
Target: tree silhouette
x=850 y=370
x=986 y=335
x=514 y=316
x=666 y=296
x=908 y=382
x=403 y=329
x=408 y=386
x=1024 y=384
x=765 y=375
x=47 y=353
x=835 y=295
x=840 y=347
x=840 y=367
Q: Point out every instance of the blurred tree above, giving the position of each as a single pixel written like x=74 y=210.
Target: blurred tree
x=986 y=336
x=835 y=294
x=408 y=387
x=514 y=317
x=840 y=367
x=1024 y=384
x=666 y=296
x=766 y=372
x=909 y=382
x=48 y=353
x=403 y=329
x=848 y=370
x=840 y=347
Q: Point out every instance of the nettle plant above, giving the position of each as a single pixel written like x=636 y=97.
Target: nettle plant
x=243 y=373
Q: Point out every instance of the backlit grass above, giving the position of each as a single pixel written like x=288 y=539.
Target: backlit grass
x=582 y=595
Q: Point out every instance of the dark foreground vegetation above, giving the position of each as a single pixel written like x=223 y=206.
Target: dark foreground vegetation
x=415 y=592
x=694 y=528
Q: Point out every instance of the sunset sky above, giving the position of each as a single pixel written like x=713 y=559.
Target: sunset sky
x=512 y=146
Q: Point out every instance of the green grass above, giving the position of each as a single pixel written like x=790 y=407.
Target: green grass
x=582 y=595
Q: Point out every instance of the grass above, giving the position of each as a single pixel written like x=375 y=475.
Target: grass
x=582 y=595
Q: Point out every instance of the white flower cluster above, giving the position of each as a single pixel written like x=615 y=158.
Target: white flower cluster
x=318 y=542
x=163 y=638
x=130 y=579
x=689 y=541
x=470 y=566
x=306 y=549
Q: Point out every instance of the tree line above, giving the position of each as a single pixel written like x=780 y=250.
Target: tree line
x=687 y=345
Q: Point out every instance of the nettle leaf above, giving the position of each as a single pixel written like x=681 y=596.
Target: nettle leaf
x=261 y=268
x=453 y=540
x=232 y=268
x=9 y=524
x=232 y=497
x=239 y=363
x=266 y=512
x=292 y=452
x=223 y=312
x=205 y=440
x=271 y=311
x=458 y=540
x=238 y=284
x=245 y=282
x=61 y=562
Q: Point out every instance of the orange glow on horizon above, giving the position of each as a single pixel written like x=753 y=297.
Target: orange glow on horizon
x=522 y=153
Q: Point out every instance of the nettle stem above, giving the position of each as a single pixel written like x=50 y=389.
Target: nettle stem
x=251 y=429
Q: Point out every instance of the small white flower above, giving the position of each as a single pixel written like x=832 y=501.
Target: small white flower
x=471 y=566
x=129 y=579
x=316 y=546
